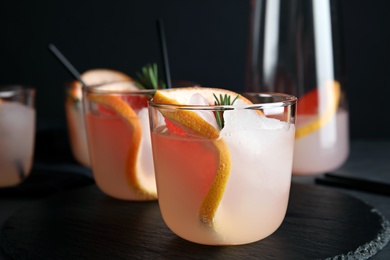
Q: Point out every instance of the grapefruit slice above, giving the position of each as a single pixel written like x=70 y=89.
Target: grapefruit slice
x=183 y=96
x=137 y=179
x=204 y=127
x=95 y=77
x=309 y=105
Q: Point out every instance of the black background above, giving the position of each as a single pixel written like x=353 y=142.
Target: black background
x=207 y=43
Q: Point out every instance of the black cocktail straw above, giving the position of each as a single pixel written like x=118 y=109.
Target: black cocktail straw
x=64 y=61
x=164 y=52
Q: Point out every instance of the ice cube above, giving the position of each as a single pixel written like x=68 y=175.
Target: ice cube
x=198 y=99
x=243 y=119
x=261 y=158
x=207 y=115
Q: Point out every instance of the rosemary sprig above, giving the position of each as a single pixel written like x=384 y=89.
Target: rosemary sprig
x=148 y=78
x=222 y=101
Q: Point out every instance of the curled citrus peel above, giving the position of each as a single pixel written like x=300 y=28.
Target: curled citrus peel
x=186 y=118
x=194 y=122
x=309 y=105
x=215 y=193
x=134 y=176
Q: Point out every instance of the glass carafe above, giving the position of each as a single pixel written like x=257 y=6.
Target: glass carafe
x=295 y=47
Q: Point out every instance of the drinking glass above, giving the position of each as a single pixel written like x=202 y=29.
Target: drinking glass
x=76 y=125
x=17 y=132
x=296 y=47
x=228 y=190
x=117 y=128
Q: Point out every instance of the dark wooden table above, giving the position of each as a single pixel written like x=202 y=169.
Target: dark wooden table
x=22 y=210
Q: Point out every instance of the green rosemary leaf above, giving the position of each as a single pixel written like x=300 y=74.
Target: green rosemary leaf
x=216 y=100
x=148 y=78
x=218 y=117
x=222 y=101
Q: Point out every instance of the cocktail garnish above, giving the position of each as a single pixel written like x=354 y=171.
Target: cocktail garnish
x=148 y=78
x=191 y=120
x=72 y=97
x=310 y=105
x=94 y=77
x=222 y=101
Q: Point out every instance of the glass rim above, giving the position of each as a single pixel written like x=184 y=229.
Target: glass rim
x=108 y=88
x=7 y=91
x=287 y=100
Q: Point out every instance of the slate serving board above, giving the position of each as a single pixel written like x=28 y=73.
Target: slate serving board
x=86 y=224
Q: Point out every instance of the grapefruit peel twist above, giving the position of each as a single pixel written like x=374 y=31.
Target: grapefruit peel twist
x=333 y=93
x=195 y=123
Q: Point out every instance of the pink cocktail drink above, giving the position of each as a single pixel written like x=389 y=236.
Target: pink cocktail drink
x=17 y=128
x=325 y=149
x=116 y=117
x=228 y=190
x=322 y=135
x=74 y=108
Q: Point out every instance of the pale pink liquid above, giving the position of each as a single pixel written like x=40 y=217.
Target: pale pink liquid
x=323 y=150
x=17 y=128
x=109 y=139
x=255 y=200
